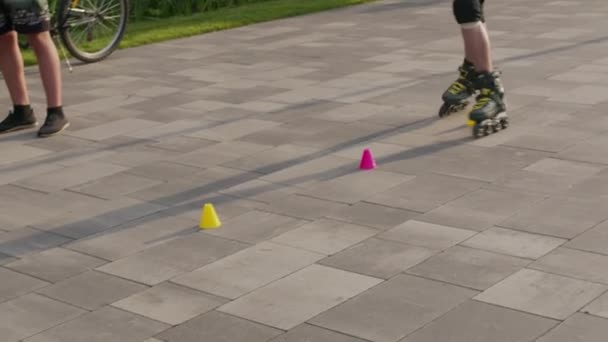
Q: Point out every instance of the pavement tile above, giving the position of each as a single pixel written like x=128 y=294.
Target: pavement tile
x=513 y=242
x=575 y=217
x=576 y=264
x=31 y=314
x=15 y=284
x=478 y=322
x=91 y=290
x=427 y=235
x=534 y=292
x=159 y=263
x=300 y=296
x=393 y=309
x=468 y=267
x=169 y=303
x=219 y=327
x=378 y=258
x=578 y=328
x=325 y=236
x=248 y=270
x=55 y=264
x=307 y=333
x=94 y=327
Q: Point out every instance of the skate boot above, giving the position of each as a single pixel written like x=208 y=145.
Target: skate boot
x=455 y=98
x=489 y=113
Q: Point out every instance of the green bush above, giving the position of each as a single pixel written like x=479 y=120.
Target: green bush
x=167 y=8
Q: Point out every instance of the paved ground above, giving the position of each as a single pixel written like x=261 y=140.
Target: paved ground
x=450 y=240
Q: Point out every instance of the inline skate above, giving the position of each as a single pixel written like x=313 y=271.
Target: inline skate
x=489 y=114
x=456 y=97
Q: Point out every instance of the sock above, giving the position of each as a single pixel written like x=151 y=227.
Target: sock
x=22 y=110
x=55 y=110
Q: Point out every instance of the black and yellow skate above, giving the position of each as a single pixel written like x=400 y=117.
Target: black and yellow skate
x=456 y=97
x=489 y=114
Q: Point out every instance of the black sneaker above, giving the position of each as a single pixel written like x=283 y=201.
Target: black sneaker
x=14 y=122
x=53 y=124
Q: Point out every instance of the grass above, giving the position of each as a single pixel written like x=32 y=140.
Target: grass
x=158 y=30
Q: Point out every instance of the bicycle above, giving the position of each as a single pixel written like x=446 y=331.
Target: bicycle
x=80 y=26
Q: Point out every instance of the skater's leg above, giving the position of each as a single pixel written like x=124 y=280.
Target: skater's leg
x=477 y=46
x=469 y=15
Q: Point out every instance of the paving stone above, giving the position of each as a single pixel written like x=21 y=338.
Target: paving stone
x=481 y=209
x=31 y=314
x=578 y=328
x=169 y=303
x=219 y=153
x=262 y=191
x=325 y=236
x=281 y=304
x=256 y=226
x=592 y=188
x=19 y=153
x=116 y=185
x=275 y=159
x=593 y=240
x=598 y=307
x=112 y=129
x=373 y=215
x=309 y=172
x=219 y=327
x=233 y=130
x=534 y=292
x=26 y=241
x=304 y=207
x=513 y=242
x=248 y=270
x=133 y=237
x=16 y=284
x=70 y=177
x=427 y=235
x=93 y=219
x=394 y=309
x=575 y=217
x=55 y=264
x=576 y=264
x=94 y=327
x=378 y=258
x=426 y=192
x=307 y=333
x=78 y=290
x=468 y=267
x=167 y=260
x=479 y=322
x=5 y=259
x=591 y=150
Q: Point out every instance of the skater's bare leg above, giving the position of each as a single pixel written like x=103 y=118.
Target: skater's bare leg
x=477 y=46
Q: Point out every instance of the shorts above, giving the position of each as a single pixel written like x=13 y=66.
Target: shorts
x=468 y=11
x=24 y=16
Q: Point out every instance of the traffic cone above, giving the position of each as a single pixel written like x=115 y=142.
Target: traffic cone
x=209 y=219
x=367 y=160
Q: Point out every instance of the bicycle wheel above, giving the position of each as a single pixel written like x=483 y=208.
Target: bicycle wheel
x=92 y=29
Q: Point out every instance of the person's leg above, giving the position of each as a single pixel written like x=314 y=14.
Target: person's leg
x=477 y=46
x=11 y=66
x=41 y=42
x=49 y=66
x=490 y=103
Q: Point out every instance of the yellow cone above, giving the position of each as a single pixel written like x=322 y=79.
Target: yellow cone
x=209 y=219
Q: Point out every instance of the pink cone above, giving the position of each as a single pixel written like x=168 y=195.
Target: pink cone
x=367 y=161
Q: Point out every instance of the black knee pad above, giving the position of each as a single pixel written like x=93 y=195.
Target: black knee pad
x=468 y=11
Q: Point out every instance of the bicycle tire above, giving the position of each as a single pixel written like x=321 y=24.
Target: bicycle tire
x=63 y=7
